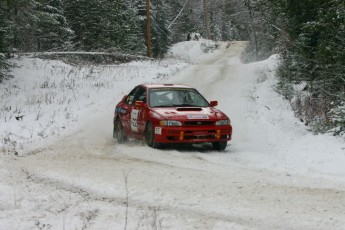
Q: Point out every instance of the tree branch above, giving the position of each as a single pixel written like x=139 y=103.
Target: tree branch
x=178 y=15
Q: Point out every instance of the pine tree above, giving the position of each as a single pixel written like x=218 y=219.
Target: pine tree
x=105 y=24
x=24 y=20
x=330 y=50
x=161 y=38
x=314 y=53
x=330 y=61
x=4 y=40
x=52 y=31
x=84 y=17
x=38 y=25
x=129 y=35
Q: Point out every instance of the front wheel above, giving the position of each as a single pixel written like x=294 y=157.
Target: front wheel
x=118 y=132
x=150 y=136
x=220 y=145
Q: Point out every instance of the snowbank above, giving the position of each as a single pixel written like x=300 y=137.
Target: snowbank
x=49 y=98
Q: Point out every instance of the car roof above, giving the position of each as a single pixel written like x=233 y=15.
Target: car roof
x=150 y=86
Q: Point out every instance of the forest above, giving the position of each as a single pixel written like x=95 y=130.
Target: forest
x=308 y=36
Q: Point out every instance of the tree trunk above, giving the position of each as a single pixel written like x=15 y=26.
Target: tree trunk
x=207 y=19
x=148 y=29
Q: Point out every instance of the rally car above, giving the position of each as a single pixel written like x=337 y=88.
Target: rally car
x=168 y=114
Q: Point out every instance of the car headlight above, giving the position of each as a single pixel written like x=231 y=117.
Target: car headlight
x=170 y=123
x=223 y=122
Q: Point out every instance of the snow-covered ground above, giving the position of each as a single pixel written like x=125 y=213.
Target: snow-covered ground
x=61 y=169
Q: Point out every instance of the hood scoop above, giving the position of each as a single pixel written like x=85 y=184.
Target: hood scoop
x=189 y=109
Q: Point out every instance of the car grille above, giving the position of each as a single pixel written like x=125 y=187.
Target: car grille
x=196 y=123
x=174 y=135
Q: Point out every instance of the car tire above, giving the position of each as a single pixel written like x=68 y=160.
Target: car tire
x=150 y=136
x=118 y=132
x=220 y=145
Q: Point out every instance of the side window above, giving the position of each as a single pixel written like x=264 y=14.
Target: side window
x=130 y=98
x=140 y=95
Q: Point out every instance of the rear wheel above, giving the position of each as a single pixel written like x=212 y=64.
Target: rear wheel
x=150 y=136
x=118 y=132
x=220 y=145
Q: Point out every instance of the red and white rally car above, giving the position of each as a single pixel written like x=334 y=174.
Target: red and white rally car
x=168 y=113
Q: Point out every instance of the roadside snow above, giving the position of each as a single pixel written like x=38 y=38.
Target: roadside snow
x=266 y=133
x=48 y=98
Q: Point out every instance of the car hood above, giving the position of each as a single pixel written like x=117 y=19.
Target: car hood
x=188 y=113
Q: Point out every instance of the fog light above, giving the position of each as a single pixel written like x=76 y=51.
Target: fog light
x=181 y=135
x=218 y=134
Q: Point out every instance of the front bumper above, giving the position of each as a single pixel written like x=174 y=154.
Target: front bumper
x=182 y=134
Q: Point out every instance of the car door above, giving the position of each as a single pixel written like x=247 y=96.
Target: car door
x=127 y=108
x=138 y=113
x=133 y=116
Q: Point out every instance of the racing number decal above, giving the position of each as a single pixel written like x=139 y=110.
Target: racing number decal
x=134 y=120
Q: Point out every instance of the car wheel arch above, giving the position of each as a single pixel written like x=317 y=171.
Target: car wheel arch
x=150 y=142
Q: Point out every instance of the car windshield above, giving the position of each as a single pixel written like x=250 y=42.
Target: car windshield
x=173 y=97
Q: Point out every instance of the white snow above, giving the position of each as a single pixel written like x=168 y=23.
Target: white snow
x=61 y=169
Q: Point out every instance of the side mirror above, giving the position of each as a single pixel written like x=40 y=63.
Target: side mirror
x=139 y=104
x=213 y=103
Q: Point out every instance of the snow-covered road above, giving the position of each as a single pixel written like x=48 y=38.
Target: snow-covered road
x=87 y=181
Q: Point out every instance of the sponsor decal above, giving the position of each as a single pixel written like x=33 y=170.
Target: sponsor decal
x=158 y=130
x=197 y=117
x=134 y=120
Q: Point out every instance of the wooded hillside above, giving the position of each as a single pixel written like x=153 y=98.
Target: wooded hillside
x=308 y=34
